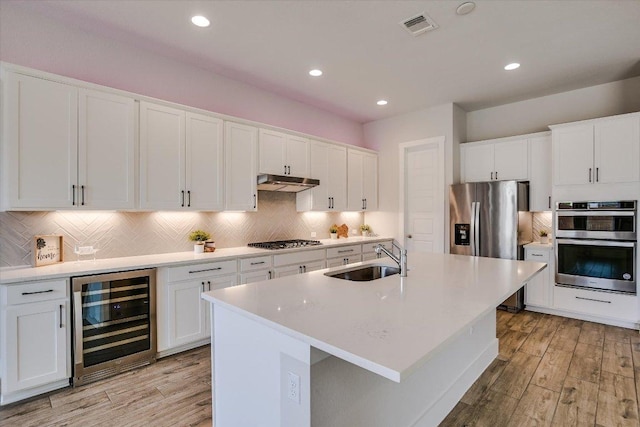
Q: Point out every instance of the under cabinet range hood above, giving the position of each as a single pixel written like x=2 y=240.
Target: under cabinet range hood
x=285 y=183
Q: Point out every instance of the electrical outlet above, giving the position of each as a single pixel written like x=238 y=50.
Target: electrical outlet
x=293 y=387
x=313 y=234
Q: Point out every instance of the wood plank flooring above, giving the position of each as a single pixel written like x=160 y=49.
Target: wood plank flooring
x=555 y=371
x=551 y=371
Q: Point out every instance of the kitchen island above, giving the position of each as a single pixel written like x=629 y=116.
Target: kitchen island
x=315 y=350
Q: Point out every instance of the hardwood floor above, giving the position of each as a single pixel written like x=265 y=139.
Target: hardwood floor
x=554 y=371
x=551 y=371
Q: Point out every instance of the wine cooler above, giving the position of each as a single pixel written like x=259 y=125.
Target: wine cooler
x=114 y=323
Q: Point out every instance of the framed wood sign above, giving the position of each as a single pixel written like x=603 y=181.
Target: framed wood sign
x=48 y=250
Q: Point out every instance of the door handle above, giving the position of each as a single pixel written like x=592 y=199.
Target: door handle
x=182 y=203
x=202 y=286
x=269 y=276
x=285 y=169
x=589 y=174
x=549 y=202
x=365 y=203
x=73 y=195
x=209 y=284
x=496 y=175
x=189 y=198
x=492 y=176
x=82 y=188
x=597 y=176
x=289 y=170
x=77 y=315
x=255 y=201
x=329 y=198
x=61 y=308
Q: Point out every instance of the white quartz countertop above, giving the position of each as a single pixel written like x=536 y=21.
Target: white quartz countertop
x=389 y=326
x=76 y=268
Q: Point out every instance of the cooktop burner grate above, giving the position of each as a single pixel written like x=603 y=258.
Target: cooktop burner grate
x=285 y=244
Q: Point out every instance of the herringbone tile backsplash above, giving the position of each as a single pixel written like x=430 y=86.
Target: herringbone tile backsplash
x=118 y=234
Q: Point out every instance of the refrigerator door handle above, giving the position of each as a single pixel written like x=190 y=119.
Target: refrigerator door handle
x=476 y=229
x=473 y=229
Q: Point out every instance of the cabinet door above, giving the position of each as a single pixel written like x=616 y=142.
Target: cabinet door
x=288 y=270
x=297 y=156
x=319 y=169
x=477 y=162
x=187 y=315
x=255 y=276
x=540 y=174
x=337 y=262
x=41 y=137
x=337 y=177
x=314 y=266
x=162 y=151
x=355 y=165
x=240 y=146
x=212 y=284
x=511 y=160
x=370 y=182
x=37 y=344
x=273 y=152
x=617 y=150
x=538 y=289
x=106 y=151
x=573 y=155
x=204 y=184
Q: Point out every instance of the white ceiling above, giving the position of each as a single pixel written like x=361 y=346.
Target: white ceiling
x=366 y=55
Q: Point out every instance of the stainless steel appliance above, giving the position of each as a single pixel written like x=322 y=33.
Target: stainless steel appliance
x=286 y=183
x=491 y=219
x=596 y=245
x=285 y=244
x=114 y=323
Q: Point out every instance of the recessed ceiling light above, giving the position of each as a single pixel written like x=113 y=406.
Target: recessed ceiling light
x=465 y=8
x=315 y=73
x=512 y=66
x=382 y=102
x=200 y=21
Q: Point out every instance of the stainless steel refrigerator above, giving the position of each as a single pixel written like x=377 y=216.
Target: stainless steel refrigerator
x=491 y=219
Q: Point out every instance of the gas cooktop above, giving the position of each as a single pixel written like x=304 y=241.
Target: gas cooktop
x=285 y=244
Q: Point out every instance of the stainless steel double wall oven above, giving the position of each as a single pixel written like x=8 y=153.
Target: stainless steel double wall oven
x=596 y=245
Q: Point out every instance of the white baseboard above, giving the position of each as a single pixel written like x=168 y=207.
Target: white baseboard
x=31 y=392
x=180 y=349
x=581 y=316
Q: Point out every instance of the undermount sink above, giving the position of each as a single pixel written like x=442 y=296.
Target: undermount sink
x=365 y=274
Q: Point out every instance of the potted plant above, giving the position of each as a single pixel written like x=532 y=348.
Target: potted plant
x=544 y=236
x=333 y=230
x=199 y=237
x=365 y=229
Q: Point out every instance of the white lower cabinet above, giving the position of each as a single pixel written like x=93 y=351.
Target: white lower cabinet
x=606 y=305
x=298 y=262
x=538 y=291
x=369 y=250
x=344 y=255
x=35 y=344
x=255 y=269
x=183 y=316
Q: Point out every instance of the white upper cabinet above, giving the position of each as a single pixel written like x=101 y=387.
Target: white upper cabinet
x=540 y=173
x=283 y=154
x=362 y=180
x=604 y=151
x=180 y=159
x=241 y=167
x=67 y=148
x=495 y=160
x=329 y=165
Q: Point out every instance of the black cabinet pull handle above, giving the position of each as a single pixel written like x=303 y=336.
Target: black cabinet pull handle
x=206 y=269
x=182 y=203
x=255 y=201
x=589 y=174
x=73 y=195
x=82 y=188
x=285 y=169
x=202 y=286
x=345 y=251
x=257 y=263
x=300 y=269
x=38 y=292
x=549 y=202
x=597 y=174
x=269 y=274
x=593 y=299
x=61 y=323
x=329 y=199
x=189 y=198
x=491 y=176
x=496 y=175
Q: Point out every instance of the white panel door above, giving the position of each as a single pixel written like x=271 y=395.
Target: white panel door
x=106 y=151
x=187 y=315
x=617 y=150
x=319 y=169
x=297 y=156
x=255 y=276
x=355 y=165
x=240 y=146
x=511 y=160
x=162 y=151
x=273 y=152
x=370 y=181
x=424 y=196
x=37 y=344
x=540 y=174
x=477 y=163
x=204 y=156
x=42 y=142
x=337 y=177
x=573 y=155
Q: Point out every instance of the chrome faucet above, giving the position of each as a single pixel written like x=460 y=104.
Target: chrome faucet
x=401 y=260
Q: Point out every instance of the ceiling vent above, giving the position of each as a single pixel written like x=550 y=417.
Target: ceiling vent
x=419 y=24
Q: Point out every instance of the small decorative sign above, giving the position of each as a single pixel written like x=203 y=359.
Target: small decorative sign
x=48 y=250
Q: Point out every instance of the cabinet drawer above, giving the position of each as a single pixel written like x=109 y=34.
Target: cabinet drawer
x=371 y=247
x=298 y=257
x=536 y=255
x=36 y=291
x=197 y=271
x=603 y=304
x=344 y=251
x=255 y=263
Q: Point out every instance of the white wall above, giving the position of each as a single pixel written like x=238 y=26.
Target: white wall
x=35 y=41
x=535 y=115
x=385 y=135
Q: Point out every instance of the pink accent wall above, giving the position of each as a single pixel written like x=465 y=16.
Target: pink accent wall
x=35 y=41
